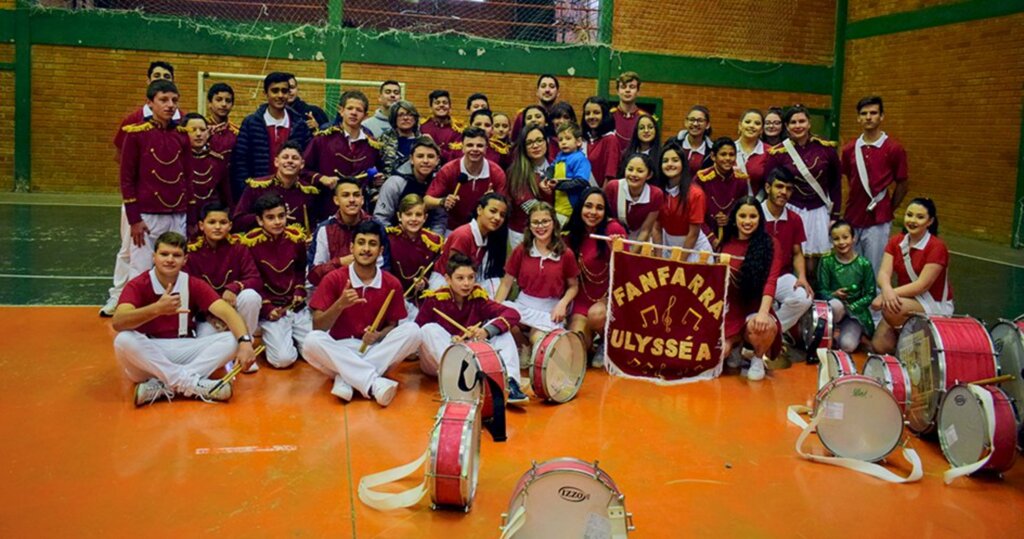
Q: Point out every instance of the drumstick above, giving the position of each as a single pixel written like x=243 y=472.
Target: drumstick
x=419 y=277
x=457 y=325
x=994 y=380
x=235 y=370
x=380 y=316
x=456 y=191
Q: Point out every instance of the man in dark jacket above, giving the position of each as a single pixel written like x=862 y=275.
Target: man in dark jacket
x=314 y=116
x=264 y=132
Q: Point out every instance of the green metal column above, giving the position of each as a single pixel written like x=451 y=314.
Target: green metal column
x=22 y=98
x=838 y=65
x=1017 y=226
x=604 y=50
x=332 y=58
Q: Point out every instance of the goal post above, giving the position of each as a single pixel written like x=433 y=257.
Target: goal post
x=313 y=89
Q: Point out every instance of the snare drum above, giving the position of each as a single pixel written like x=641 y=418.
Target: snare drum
x=939 y=352
x=454 y=455
x=816 y=326
x=836 y=364
x=566 y=497
x=1009 y=344
x=889 y=370
x=559 y=363
x=456 y=375
x=860 y=419
x=966 y=427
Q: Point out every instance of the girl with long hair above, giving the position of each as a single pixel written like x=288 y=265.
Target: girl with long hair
x=646 y=140
x=681 y=216
x=774 y=128
x=695 y=138
x=599 y=141
x=751 y=152
x=635 y=203
x=484 y=240
x=527 y=179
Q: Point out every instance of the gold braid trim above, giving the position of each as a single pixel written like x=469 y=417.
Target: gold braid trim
x=441 y=294
x=478 y=293
x=139 y=128
x=393 y=230
x=295 y=233
x=432 y=240
x=778 y=149
x=259 y=184
x=499 y=146
x=707 y=174
x=254 y=237
x=823 y=142
x=308 y=189
x=374 y=143
x=196 y=245
x=328 y=131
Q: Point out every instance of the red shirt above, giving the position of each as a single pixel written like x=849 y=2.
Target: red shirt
x=541 y=276
x=356 y=319
x=738 y=307
x=754 y=166
x=594 y=270
x=788 y=230
x=466 y=240
x=677 y=215
x=822 y=162
x=650 y=201
x=475 y=309
x=886 y=163
x=222 y=138
x=472 y=189
x=442 y=133
x=299 y=200
x=603 y=154
x=930 y=250
x=139 y=293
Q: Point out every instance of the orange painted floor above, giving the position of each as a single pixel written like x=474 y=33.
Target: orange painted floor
x=712 y=459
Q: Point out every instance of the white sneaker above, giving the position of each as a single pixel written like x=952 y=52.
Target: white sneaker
x=341 y=389
x=202 y=388
x=756 y=371
x=151 y=391
x=108 y=308
x=255 y=367
x=384 y=390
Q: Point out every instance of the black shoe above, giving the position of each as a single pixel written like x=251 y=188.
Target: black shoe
x=516 y=395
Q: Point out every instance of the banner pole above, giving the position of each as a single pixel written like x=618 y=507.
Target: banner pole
x=651 y=245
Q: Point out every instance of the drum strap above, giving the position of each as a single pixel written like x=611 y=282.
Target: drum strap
x=794 y=414
x=496 y=424
x=384 y=501
x=990 y=414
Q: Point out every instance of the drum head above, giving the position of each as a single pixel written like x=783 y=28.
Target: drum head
x=877 y=369
x=1009 y=342
x=458 y=363
x=565 y=364
x=916 y=347
x=860 y=419
x=565 y=503
x=963 y=427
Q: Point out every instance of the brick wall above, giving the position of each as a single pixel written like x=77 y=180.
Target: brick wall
x=866 y=9
x=6 y=120
x=953 y=97
x=738 y=29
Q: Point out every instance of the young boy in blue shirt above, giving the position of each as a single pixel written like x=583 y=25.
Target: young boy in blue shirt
x=571 y=169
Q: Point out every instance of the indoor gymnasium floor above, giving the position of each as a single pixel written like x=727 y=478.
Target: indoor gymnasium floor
x=283 y=458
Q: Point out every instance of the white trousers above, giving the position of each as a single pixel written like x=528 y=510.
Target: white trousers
x=816 y=223
x=871 y=242
x=175 y=362
x=535 y=312
x=284 y=338
x=342 y=358
x=703 y=244
x=247 y=304
x=435 y=340
x=132 y=260
x=790 y=304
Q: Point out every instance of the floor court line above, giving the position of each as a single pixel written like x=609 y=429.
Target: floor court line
x=56 y=277
x=246 y=449
x=989 y=260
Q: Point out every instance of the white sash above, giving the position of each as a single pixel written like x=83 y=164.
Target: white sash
x=806 y=173
x=620 y=204
x=990 y=416
x=925 y=298
x=862 y=171
x=181 y=287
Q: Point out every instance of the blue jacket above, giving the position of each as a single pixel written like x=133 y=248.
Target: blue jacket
x=251 y=156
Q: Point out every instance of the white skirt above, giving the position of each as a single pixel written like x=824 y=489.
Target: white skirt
x=816 y=223
x=703 y=244
x=536 y=312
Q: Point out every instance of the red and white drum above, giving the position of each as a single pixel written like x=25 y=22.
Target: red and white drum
x=1008 y=338
x=457 y=374
x=860 y=419
x=816 y=326
x=835 y=364
x=974 y=421
x=889 y=370
x=566 y=497
x=939 y=352
x=559 y=364
x=454 y=463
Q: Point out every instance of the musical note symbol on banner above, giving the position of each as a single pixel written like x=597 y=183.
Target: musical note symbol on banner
x=643 y=314
x=696 y=315
x=667 y=316
x=634 y=362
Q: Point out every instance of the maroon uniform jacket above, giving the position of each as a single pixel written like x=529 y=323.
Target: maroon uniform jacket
x=210 y=182
x=476 y=309
x=298 y=202
x=412 y=257
x=226 y=266
x=720 y=194
x=222 y=138
x=337 y=236
x=443 y=134
x=154 y=170
x=281 y=263
x=823 y=162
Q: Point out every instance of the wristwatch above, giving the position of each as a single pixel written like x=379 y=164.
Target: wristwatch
x=245 y=338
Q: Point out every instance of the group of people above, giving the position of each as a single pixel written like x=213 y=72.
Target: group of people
x=359 y=241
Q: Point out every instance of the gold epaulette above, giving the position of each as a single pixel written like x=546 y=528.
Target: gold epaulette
x=259 y=184
x=824 y=142
x=478 y=293
x=424 y=120
x=253 y=237
x=308 y=189
x=432 y=240
x=457 y=125
x=234 y=128
x=499 y=146
x=441 y=294
x=139 y=128
x=778 y=149
x=740 y=175
x=706 y=174
x=393 y=230
x=614 y=110
x=234 y=239
x=182 y=129
x=374 y=143
x=295 y=233
x=196 y=245
x=328 y=131
x=455 y=145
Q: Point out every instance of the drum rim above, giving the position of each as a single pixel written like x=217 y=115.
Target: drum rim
x=593 y=471
x=859 y=378
x=441 y=387
x=435 y=441
x=890 y=380
x=1014 y=326
x=544 y=351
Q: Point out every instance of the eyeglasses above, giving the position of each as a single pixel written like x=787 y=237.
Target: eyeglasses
x=405 y=115
x=535 y=142
x=697 y=121
x=541 y=223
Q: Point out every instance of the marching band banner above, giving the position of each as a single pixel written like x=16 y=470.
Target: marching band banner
x=666 y=318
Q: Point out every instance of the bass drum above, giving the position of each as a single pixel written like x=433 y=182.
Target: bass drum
x=457 y=374
x=559 y=364
x=889 y=370
x=454 y=464
x=969 y=429
x=860 y=418
x=816 y=327
x=1008 y=338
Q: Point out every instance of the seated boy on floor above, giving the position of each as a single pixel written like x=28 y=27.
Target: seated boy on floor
x=345 y=306
x=466 y=302
x=156 y=324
